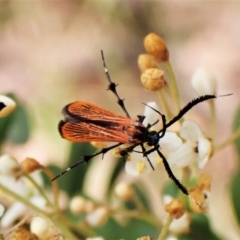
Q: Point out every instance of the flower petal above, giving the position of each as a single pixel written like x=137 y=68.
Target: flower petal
x=205 y=150
x=190 y=131
x=170 y=141
x=137 y=164
x=184 y=156
x=151 y=116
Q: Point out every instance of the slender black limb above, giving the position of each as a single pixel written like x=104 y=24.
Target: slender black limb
x=146 y=155
x=151 y=125
x=125 y=151
x=112 y=87
x=151 y=150
x=171 y=175
x=188 y=107
x=141 y=118
x=87 y=158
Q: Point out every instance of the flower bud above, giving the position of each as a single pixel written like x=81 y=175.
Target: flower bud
x=124 y=191
x=40 y=227
x=204 y=82
x=146 y=61
x=175 y=208
x=23 y=234
x=77 y=205
x=30 y=165
x=7 y=105
x=156 y=46
x=153 y=79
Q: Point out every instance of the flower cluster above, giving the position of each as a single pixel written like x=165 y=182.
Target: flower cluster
x=27 y=201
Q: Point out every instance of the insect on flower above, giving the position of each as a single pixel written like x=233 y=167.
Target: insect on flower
x=85 y=122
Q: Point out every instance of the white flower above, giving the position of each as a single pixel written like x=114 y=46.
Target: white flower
x=136 y=164
x=7 y=105
x=203 y=82
x=21 y=187
x=197 y=148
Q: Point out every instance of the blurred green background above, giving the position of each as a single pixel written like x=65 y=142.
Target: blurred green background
x=50 y=56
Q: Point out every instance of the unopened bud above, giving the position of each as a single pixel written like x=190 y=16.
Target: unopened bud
x=153 y=79
x=7 y=105
x=124 y=191
x=40 y=227
x=156 y=46
x=175 y=208
x=77 y=205
x=204 y=82
x=30 y=165
x=146 y=61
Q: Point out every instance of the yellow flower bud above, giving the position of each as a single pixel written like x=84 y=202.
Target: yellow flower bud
x=153 y=79
x=146 y=61
x=156 y=46
x=175 y=208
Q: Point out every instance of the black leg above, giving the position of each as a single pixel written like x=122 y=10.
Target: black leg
x=112 y=87
x=188 y=107
x=171 y=175
x=87 y=158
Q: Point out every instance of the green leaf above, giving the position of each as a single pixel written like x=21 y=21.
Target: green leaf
x=129 y=230
x=235 y=192
x=235 y=186
x=199 y=229
x=236 y=126
x=19 y=129
x=171 y=189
